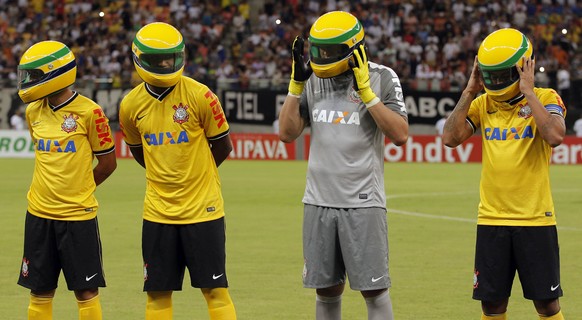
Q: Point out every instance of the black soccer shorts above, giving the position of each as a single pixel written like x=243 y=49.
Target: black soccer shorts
x=52 y=245
x=531 y=251
x=168 y=248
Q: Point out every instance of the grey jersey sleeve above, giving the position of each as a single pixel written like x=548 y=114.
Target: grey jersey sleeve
x=390 y=88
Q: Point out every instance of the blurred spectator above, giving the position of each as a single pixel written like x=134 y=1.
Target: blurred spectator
x=578 y=127
x=220 y=34
x=563 y=83
x=17 y=120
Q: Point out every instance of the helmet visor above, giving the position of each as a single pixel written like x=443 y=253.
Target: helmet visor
x=30 y=77
x=161 y=63
x=499 y=79
x=329 y=53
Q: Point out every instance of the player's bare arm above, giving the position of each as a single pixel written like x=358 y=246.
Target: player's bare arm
x=106 y=164
x=393 y=125
x=551 y=127
x=291 y=124
x=457 y=129
x=137 y=153
x=221 y=148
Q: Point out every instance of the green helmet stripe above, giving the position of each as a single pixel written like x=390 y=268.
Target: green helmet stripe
x=49 y=58
x=511 y=61
x=339 y=39
x=145 y=49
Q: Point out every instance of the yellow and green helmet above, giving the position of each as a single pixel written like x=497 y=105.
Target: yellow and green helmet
x=45 y=68
x=332 y=40
x=159 y=54
x=499 y=56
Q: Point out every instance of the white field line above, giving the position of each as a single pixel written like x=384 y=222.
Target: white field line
x=450 y=218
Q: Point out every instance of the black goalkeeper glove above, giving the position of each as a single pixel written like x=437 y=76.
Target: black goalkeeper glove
x=300 y=70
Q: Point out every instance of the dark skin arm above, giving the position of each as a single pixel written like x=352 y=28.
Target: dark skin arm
x=551 y=127
x=221 y=148
x=457 y=129
x=106 y=164
x=137 y=153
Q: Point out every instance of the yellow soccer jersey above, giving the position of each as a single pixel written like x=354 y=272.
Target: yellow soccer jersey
x=175 y=129
x=66 y=138
x=515 y=183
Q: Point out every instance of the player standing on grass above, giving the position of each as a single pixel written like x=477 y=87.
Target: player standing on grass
x=61 y=230
x=177 y=131
x=520 y=124
x=350 y=104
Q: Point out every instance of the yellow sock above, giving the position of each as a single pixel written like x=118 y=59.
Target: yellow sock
x=90 y=309
x=502 y=316
x=40 y=308
x=159 y=306
x=557 y=316
x=220 y=306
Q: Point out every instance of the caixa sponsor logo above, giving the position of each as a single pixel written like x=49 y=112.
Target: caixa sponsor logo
x=48 y=145
x=162 y=138
x=509 y=133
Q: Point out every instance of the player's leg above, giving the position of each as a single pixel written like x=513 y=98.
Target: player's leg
x=82 y=262
x=205 y=253
x=328 y=302
x=220 y=306
x=40 y=266
x=159 y=305
x=538 y=263
x=40 y=306
x=379 y=304
x=494 y=270
x=89 y=304
x=164 y=266
x=323 y=268
x=547 y=309
x=364 y=242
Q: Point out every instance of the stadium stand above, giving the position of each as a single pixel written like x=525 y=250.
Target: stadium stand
x=245 y=43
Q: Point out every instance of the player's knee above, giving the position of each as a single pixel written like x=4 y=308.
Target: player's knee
x=88 y=294
x=43 y=294
x=547 y=308
x=494 y=307
x=216 y=297
x=159 y=300
x=331 y=291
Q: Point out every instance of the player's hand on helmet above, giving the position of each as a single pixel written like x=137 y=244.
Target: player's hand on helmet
x=526 y=75
x=300 y=70
x=359 y=66
x=475 y=83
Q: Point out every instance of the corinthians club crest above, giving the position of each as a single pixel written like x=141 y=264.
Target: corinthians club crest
x=181 y=115
x=70 y=123
x=524 y=112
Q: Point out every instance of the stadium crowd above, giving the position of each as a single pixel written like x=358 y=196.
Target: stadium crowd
x=246 y=44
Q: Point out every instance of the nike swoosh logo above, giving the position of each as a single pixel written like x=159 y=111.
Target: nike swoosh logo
x=214 y=277
x=376 y=279
x=554 y=288
x=87 y=278
x=139 y=118
x=491 y=112
x=35 y=123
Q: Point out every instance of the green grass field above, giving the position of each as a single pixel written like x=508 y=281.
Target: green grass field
x=432 y=213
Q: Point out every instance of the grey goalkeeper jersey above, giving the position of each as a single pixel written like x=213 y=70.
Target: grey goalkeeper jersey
x=346 y=154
